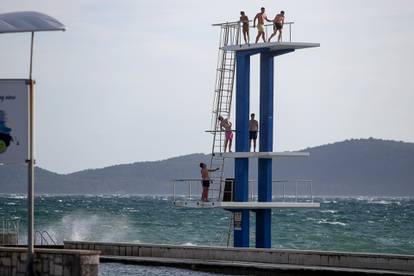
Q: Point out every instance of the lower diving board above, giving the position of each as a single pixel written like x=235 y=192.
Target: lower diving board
x=244 y=205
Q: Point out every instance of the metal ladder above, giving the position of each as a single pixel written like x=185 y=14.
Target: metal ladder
x=223 y=94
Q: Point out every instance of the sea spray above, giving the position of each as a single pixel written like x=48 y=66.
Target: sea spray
x=83 y=227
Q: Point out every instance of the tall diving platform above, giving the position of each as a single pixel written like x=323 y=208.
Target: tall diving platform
x=235 y=194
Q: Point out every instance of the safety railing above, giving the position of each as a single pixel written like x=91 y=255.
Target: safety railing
x=283 y=190
x=269 y=28
x=44 y=238
x=191 y=189
x=10 y=230
x=286 y=190
x=10 y=225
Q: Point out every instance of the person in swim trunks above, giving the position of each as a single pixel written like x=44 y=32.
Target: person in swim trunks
x=278 y=25
x=225 y=125
x=245 y=26
x=260 y=17
x=205 y=182
x=253 y=129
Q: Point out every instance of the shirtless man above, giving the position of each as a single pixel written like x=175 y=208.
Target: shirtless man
x=261 y=17
x=278 y=25
x=245 y=26
x=225 y=125
x=253 y=129
x=205 y=176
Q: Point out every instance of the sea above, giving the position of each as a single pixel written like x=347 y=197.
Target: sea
x=357 y=224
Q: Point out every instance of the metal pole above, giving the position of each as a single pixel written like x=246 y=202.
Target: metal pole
x=296 y=191
x=30 y=188
x=264 y=185
x=311 y=191
x=2 y=233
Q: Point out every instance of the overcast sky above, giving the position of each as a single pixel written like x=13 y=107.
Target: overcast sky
x=133 y=80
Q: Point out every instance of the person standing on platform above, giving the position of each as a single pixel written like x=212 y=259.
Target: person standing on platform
x=225 y=125
x=245 y=27
x=253 y=129
x=205 y=182
x=278 y=25
x=260 y=17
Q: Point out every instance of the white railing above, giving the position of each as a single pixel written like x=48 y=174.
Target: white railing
x=286 y=190
x=287 y=28
x=191 y=189
x=9 y=227
x=283 y=190
x=44 y=238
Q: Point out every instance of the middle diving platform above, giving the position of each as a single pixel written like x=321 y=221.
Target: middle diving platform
x=287 y=193
x=244 y=205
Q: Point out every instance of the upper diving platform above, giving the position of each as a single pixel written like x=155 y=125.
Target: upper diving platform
x=232 y=38
x=272 y=46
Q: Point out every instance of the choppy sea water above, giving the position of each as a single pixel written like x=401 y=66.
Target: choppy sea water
x=111 y=269
x=362 y=224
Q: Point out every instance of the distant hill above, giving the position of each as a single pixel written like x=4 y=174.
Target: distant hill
x=353 y=167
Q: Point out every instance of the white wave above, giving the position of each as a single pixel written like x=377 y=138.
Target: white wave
x=329 y=201
x=189 y=244
x=17 y=196
x=383 y=202
x=329 y=211
x=324 y=221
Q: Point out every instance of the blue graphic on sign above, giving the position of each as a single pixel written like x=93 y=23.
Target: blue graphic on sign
x=5 y=137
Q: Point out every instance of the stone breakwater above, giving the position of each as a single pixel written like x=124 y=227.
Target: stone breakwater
x=259 y=259
x=49 y=262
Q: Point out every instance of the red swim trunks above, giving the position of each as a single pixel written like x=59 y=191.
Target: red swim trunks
x=229 y=135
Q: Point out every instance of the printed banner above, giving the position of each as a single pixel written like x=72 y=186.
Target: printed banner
x=14 y=121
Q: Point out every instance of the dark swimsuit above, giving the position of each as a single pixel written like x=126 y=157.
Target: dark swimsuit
x=206 y=183
x=252 y=135
x=277 y=26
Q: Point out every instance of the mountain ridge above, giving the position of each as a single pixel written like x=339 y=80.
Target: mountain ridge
x=371 y=167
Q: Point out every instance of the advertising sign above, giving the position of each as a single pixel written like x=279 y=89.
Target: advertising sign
x=14 y=121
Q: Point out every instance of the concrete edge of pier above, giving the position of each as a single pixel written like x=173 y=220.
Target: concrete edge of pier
x=251 y=260
x=248 y=268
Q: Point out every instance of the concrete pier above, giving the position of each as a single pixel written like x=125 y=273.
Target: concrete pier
x=252 y=260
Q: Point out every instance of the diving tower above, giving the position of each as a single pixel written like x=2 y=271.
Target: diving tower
x=235 y=194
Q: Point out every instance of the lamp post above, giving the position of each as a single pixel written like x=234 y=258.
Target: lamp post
x=18 y=22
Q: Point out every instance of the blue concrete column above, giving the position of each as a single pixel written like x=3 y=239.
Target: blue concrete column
x=263 y=217
x=241 y=165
